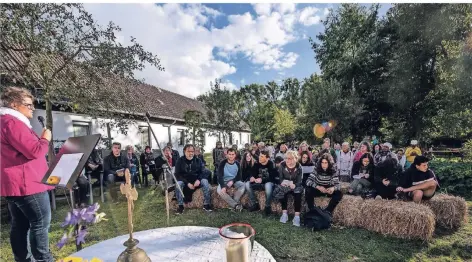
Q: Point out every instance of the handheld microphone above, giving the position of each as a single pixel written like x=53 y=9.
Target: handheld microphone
x=41 y=120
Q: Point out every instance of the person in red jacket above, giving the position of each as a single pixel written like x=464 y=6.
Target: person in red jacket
x=22 y=167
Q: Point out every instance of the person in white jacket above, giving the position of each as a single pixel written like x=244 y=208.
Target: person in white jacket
x=345 y=162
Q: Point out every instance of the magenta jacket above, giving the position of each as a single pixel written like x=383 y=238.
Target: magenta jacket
x=23 y=159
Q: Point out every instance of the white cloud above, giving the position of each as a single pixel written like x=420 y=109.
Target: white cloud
x=178 y=36
x=326 y=12
x=262 y=9
x=307 y=16
x=257 y=72
x=243 y=81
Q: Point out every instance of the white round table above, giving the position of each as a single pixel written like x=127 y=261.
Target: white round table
x=185 y=243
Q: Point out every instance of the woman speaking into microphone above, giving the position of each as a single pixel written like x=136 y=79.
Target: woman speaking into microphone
x=23 y=165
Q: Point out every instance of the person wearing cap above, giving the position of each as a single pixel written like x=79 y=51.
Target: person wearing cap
x=411 y=152
x=384 y=154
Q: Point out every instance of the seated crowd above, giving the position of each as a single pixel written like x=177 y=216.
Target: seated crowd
x=280 y=172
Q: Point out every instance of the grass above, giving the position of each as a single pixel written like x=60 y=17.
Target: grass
x=284 y=241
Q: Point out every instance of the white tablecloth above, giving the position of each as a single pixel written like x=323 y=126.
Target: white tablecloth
x=185 y=243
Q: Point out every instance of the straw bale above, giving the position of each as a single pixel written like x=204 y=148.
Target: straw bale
x=406 y=220
x=450 y=211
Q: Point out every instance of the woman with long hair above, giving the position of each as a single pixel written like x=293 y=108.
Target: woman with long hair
x=387 y=178
x=22 y=169
x=305 y=160
x=247 y=166
x=362 y=174
x=324 y=181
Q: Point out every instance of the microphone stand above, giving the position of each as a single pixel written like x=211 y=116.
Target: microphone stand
x=165 y=168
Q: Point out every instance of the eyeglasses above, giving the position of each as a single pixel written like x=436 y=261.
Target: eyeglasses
x=29 y=106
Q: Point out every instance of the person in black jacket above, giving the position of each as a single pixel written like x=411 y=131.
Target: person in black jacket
x=114 y=167
x=305 y=161
x=362 y=174
x=229 y=175
x=387 y=177
x=418 y=181
x=94 y=166
x=265 y=177
x=148 y=165
x=247 y=165
x=188 y=172
x=290 y=177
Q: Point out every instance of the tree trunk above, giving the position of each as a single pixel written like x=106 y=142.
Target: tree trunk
x=49 y=126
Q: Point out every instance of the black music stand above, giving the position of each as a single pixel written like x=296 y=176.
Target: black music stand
x=74 y=145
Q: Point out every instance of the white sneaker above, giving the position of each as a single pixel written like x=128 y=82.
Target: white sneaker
x=296 y=221
x=284 y=218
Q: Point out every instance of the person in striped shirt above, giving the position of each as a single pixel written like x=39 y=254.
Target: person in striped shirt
x=324 y=181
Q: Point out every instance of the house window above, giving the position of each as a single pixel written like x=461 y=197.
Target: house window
x=145 y=141
x=240 y=138
x=181 y=133
x=81 y=128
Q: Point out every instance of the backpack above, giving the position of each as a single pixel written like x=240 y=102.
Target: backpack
x=317 y=219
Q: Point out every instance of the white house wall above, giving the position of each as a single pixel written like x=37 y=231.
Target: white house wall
x=63 y=129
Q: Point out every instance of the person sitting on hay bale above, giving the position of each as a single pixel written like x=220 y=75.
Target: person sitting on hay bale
x=265 y=177
x=188 y=172
x=386 y=178
x=290 y=175
x=362 y=174
x=229 y=175
x=324 y=181
x=418 y=181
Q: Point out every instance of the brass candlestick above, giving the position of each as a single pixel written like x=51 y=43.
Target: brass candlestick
x=132 y=253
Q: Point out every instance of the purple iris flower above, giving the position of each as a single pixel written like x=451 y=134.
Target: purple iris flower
x=81 y=236
x=63 y=241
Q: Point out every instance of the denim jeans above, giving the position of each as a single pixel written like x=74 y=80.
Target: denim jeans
x=267 y=187
x=111 y=179
x=189 y=192
x=240 y=186
x=30 y=221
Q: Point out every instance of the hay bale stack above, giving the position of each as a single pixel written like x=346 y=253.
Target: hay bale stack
x=406 y=220
x=218 y=202
x=450 y=211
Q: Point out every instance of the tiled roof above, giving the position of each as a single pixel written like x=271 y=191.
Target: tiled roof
x=160 y=103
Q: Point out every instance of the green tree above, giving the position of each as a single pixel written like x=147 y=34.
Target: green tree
x=219 y=103
x=284 y=125
x=422 y=77
x=73 y=62
x=350 y=51
x=324 y=101
x=195 y=133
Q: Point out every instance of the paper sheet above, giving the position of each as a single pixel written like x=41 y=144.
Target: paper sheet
x=307 y=169
x=64 y=169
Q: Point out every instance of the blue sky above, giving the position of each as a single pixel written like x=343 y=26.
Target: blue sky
x=239 y=43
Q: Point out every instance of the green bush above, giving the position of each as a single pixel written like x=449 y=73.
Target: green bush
x=454 y=177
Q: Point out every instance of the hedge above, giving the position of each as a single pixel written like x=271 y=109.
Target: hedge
x=454 y=177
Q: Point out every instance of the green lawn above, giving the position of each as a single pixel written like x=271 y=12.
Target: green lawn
x=284 y=241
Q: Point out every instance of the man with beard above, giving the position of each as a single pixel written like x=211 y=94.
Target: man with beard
x=384 y=154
